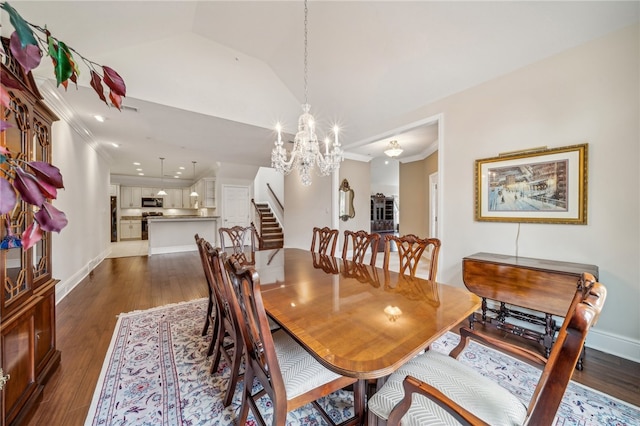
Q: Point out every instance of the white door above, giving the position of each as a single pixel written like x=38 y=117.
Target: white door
x=235 y=206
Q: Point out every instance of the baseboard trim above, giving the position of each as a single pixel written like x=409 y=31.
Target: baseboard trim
x=64 y=287
x=172 y=249
x=614 y=344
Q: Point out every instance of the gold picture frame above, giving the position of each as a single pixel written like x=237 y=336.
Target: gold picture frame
x=535 y=186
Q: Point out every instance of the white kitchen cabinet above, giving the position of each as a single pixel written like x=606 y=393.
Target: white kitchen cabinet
x=207 y=193
x=130 y=229
x=130 y=197
x=188 y=202
x=149 y=192
x=113 y=190
x=173 y=199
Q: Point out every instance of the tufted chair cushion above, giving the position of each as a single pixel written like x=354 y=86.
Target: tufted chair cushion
x=478 y=394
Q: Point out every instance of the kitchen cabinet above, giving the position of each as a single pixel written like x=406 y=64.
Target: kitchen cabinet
x=130 y=197
x=148 y=192
x=173 y=199
x=27 y=301
x=130 y=229
x=188 y=202
x=206 y=189
x=113 y=190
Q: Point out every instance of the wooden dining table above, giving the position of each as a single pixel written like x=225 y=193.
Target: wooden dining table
x=357 y=320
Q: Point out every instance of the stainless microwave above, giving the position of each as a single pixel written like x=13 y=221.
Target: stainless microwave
x=151 y=202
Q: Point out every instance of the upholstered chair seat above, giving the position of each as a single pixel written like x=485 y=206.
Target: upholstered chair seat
x=478 y=394
x=301 y=372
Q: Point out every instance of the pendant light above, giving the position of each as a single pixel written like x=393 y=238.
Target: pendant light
x=194 y=193
x=162 y=191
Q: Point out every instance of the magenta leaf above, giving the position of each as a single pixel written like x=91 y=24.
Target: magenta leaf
x=113 y=80
x=47 y=172
x=5 y=98
x=116 y=100
x=48 y=190
x=50 y=218
x=28 y=187
x=29 y=57
x=4 y=125
x=31 y=235
x=96 y=83
x=7 y=196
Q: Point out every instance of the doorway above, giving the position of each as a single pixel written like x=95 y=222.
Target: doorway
x=114 y=219
x=235 y=205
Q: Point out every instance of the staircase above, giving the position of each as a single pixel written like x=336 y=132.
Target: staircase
x=271 y=235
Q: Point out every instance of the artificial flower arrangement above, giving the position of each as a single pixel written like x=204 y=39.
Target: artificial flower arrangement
x=35 y=182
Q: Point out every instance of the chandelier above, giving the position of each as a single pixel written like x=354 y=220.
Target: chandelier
x=306 y=153
x=394 y=149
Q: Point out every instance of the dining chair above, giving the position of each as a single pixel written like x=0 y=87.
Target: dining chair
x=211 y=317
x=227 y=341
x=410 y=250
x=435 y=388
x=239 y=239
x=289 y=375
x=361 y=242
x=325 y=239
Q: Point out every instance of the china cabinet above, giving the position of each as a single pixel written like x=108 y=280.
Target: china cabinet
x=27 y=298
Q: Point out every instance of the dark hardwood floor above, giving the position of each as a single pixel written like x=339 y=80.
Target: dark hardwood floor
x=86 y=319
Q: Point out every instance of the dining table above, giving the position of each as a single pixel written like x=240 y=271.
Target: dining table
x=357 y=320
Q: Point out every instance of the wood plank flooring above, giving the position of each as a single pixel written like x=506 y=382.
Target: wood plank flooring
x=86 y=319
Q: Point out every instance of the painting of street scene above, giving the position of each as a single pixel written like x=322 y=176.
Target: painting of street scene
x=529 y=187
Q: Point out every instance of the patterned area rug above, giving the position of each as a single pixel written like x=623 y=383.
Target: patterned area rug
x=156 y=372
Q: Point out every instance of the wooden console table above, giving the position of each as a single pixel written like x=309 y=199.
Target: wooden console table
x=545 y=286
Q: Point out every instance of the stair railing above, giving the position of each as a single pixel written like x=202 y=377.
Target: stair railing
x=273 y=194
x=258 y=216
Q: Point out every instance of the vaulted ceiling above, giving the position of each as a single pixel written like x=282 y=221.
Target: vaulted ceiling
x=208 y=80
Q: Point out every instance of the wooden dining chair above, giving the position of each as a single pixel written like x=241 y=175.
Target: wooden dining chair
x=451 y=390
x=239 y=240
x=211 y=315
x=360 y=242
x=228 y=327
x=325 y=239
x=410 y=250
x=289 y=375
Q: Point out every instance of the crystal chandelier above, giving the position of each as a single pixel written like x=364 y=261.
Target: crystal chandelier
x=394 y=149
x=306 y=149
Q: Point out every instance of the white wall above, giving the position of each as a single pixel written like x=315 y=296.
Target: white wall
x=586 y=94
x=85 y=241
x=268 y=175
x=307 y=206
x=359 y=176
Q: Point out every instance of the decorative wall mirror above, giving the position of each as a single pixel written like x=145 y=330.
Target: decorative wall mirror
x=346 y=210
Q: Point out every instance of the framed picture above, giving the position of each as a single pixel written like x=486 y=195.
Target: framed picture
x=539 y=186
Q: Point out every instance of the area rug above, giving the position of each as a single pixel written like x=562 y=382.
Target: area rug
x=156 y=372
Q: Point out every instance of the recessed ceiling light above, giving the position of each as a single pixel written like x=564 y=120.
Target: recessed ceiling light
x=138 y=169
x=99 y=118
x=181 y=168
x=136 y=163
x=178 y=173
x=140 y=174
x=177 y=177
x=115 y=145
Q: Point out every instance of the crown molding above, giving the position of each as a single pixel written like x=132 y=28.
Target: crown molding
x=67 y=113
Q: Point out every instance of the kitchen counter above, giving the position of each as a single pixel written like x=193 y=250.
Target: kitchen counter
x=172 y=234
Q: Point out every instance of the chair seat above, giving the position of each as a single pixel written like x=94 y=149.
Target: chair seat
x=483 y=397
x=300 y=370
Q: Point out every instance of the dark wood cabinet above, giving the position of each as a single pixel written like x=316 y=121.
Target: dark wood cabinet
x=383 y=220
x=27 y=298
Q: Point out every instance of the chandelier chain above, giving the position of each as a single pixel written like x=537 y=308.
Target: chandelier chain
x=306 y=68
